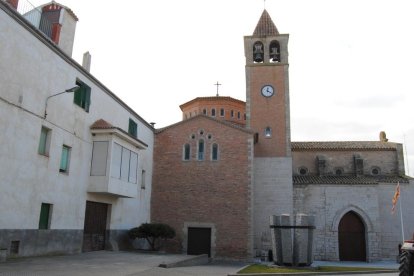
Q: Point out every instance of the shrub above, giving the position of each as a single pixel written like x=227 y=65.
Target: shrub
x=153 y=233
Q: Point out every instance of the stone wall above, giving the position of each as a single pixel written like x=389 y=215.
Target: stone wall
x=272 y=196
x=328 y=203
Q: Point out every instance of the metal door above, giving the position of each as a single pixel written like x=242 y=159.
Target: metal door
x=94 y=232
x=199 y=241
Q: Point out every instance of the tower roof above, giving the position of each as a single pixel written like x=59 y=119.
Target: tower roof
x=265 y=26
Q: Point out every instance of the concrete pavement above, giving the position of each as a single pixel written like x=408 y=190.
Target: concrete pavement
x=110 y=263
x=136 y=264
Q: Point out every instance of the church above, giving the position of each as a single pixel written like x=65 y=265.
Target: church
x=221 y=172
x=81 y=167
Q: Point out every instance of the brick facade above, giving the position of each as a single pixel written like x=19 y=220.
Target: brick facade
x=216 y=194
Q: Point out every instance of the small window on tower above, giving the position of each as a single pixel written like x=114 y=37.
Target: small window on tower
x=268 y=132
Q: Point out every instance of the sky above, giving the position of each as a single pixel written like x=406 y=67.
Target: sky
x=350 y=61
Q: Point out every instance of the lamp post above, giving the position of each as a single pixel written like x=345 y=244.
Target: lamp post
x=70 y=90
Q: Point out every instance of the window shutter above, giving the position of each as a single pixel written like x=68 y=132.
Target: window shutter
x=44 y=216
x=87 y=99
x=78 y=95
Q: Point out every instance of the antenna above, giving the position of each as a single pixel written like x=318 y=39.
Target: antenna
x=264 y=4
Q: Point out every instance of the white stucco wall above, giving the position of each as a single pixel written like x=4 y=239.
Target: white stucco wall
x=32 y=71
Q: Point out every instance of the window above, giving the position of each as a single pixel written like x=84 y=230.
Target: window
x=186 y=152
x=213 y=112
x=238 y=115
x=375 y=170
x=99 y=157
x=339 y=171
x=201 y=150
x=303 y=171
x=124 y=164
x=82 y=96
x=205 y=111
x=45 y=216
x=64 y=159
x=143 y=179
x=44 y=142
x=232 y=113
x=133 y=128
x=214 y=152
x=222 y=112
x=268 y=132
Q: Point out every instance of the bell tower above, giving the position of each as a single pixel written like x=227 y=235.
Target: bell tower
x=267 y=73
x=267 y=115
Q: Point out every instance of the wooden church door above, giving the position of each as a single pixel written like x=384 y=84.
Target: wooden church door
x=351 y=236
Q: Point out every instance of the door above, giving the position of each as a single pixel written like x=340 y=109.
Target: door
x=199 y=241
x=94 y=231
x=351 y=235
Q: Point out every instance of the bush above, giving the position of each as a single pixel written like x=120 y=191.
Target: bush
x=153 y=233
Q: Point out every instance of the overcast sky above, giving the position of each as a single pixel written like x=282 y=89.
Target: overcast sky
x=350 y=61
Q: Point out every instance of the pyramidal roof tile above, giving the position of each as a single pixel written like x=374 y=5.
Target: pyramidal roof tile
x=265 y=26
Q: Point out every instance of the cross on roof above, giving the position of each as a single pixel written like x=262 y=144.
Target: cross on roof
x=217 y=84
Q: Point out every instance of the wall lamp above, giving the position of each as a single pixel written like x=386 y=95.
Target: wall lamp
x=70 y=90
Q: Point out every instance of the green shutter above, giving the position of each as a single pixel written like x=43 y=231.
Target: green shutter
x=87 y=98
x=132 y=128
x=78 y=95
x=44 y=216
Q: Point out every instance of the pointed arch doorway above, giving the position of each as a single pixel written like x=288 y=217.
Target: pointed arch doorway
x=351 y=238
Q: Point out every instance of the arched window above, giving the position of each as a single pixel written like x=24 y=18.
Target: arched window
x=268 y=132
x=201 y=150
x=274 y=51
x=258 y=52
x=213 y=112
x=214 y=152
x=186 y=152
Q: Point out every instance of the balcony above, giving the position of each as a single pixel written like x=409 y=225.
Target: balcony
x=114 y=167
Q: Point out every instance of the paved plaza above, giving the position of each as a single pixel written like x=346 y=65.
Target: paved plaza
x=104 y=263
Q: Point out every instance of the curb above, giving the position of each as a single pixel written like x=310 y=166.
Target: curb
x=315 y=273
x=190 y=261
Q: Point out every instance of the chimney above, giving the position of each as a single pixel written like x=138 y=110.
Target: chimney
x=59 y=24
x=13 y=3
x=86 y=62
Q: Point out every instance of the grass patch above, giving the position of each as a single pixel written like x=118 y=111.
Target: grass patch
x=257 y=268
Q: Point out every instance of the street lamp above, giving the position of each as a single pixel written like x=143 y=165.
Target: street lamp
x=70 y=90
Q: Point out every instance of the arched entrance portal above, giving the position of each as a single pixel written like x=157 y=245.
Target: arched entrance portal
x=351 y=235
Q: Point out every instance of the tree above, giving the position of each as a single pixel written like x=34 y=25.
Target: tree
x=153 y=233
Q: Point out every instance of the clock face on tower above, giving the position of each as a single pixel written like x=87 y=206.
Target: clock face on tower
x=268 y=91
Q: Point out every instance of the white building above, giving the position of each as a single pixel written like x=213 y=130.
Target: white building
x=76 y=164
